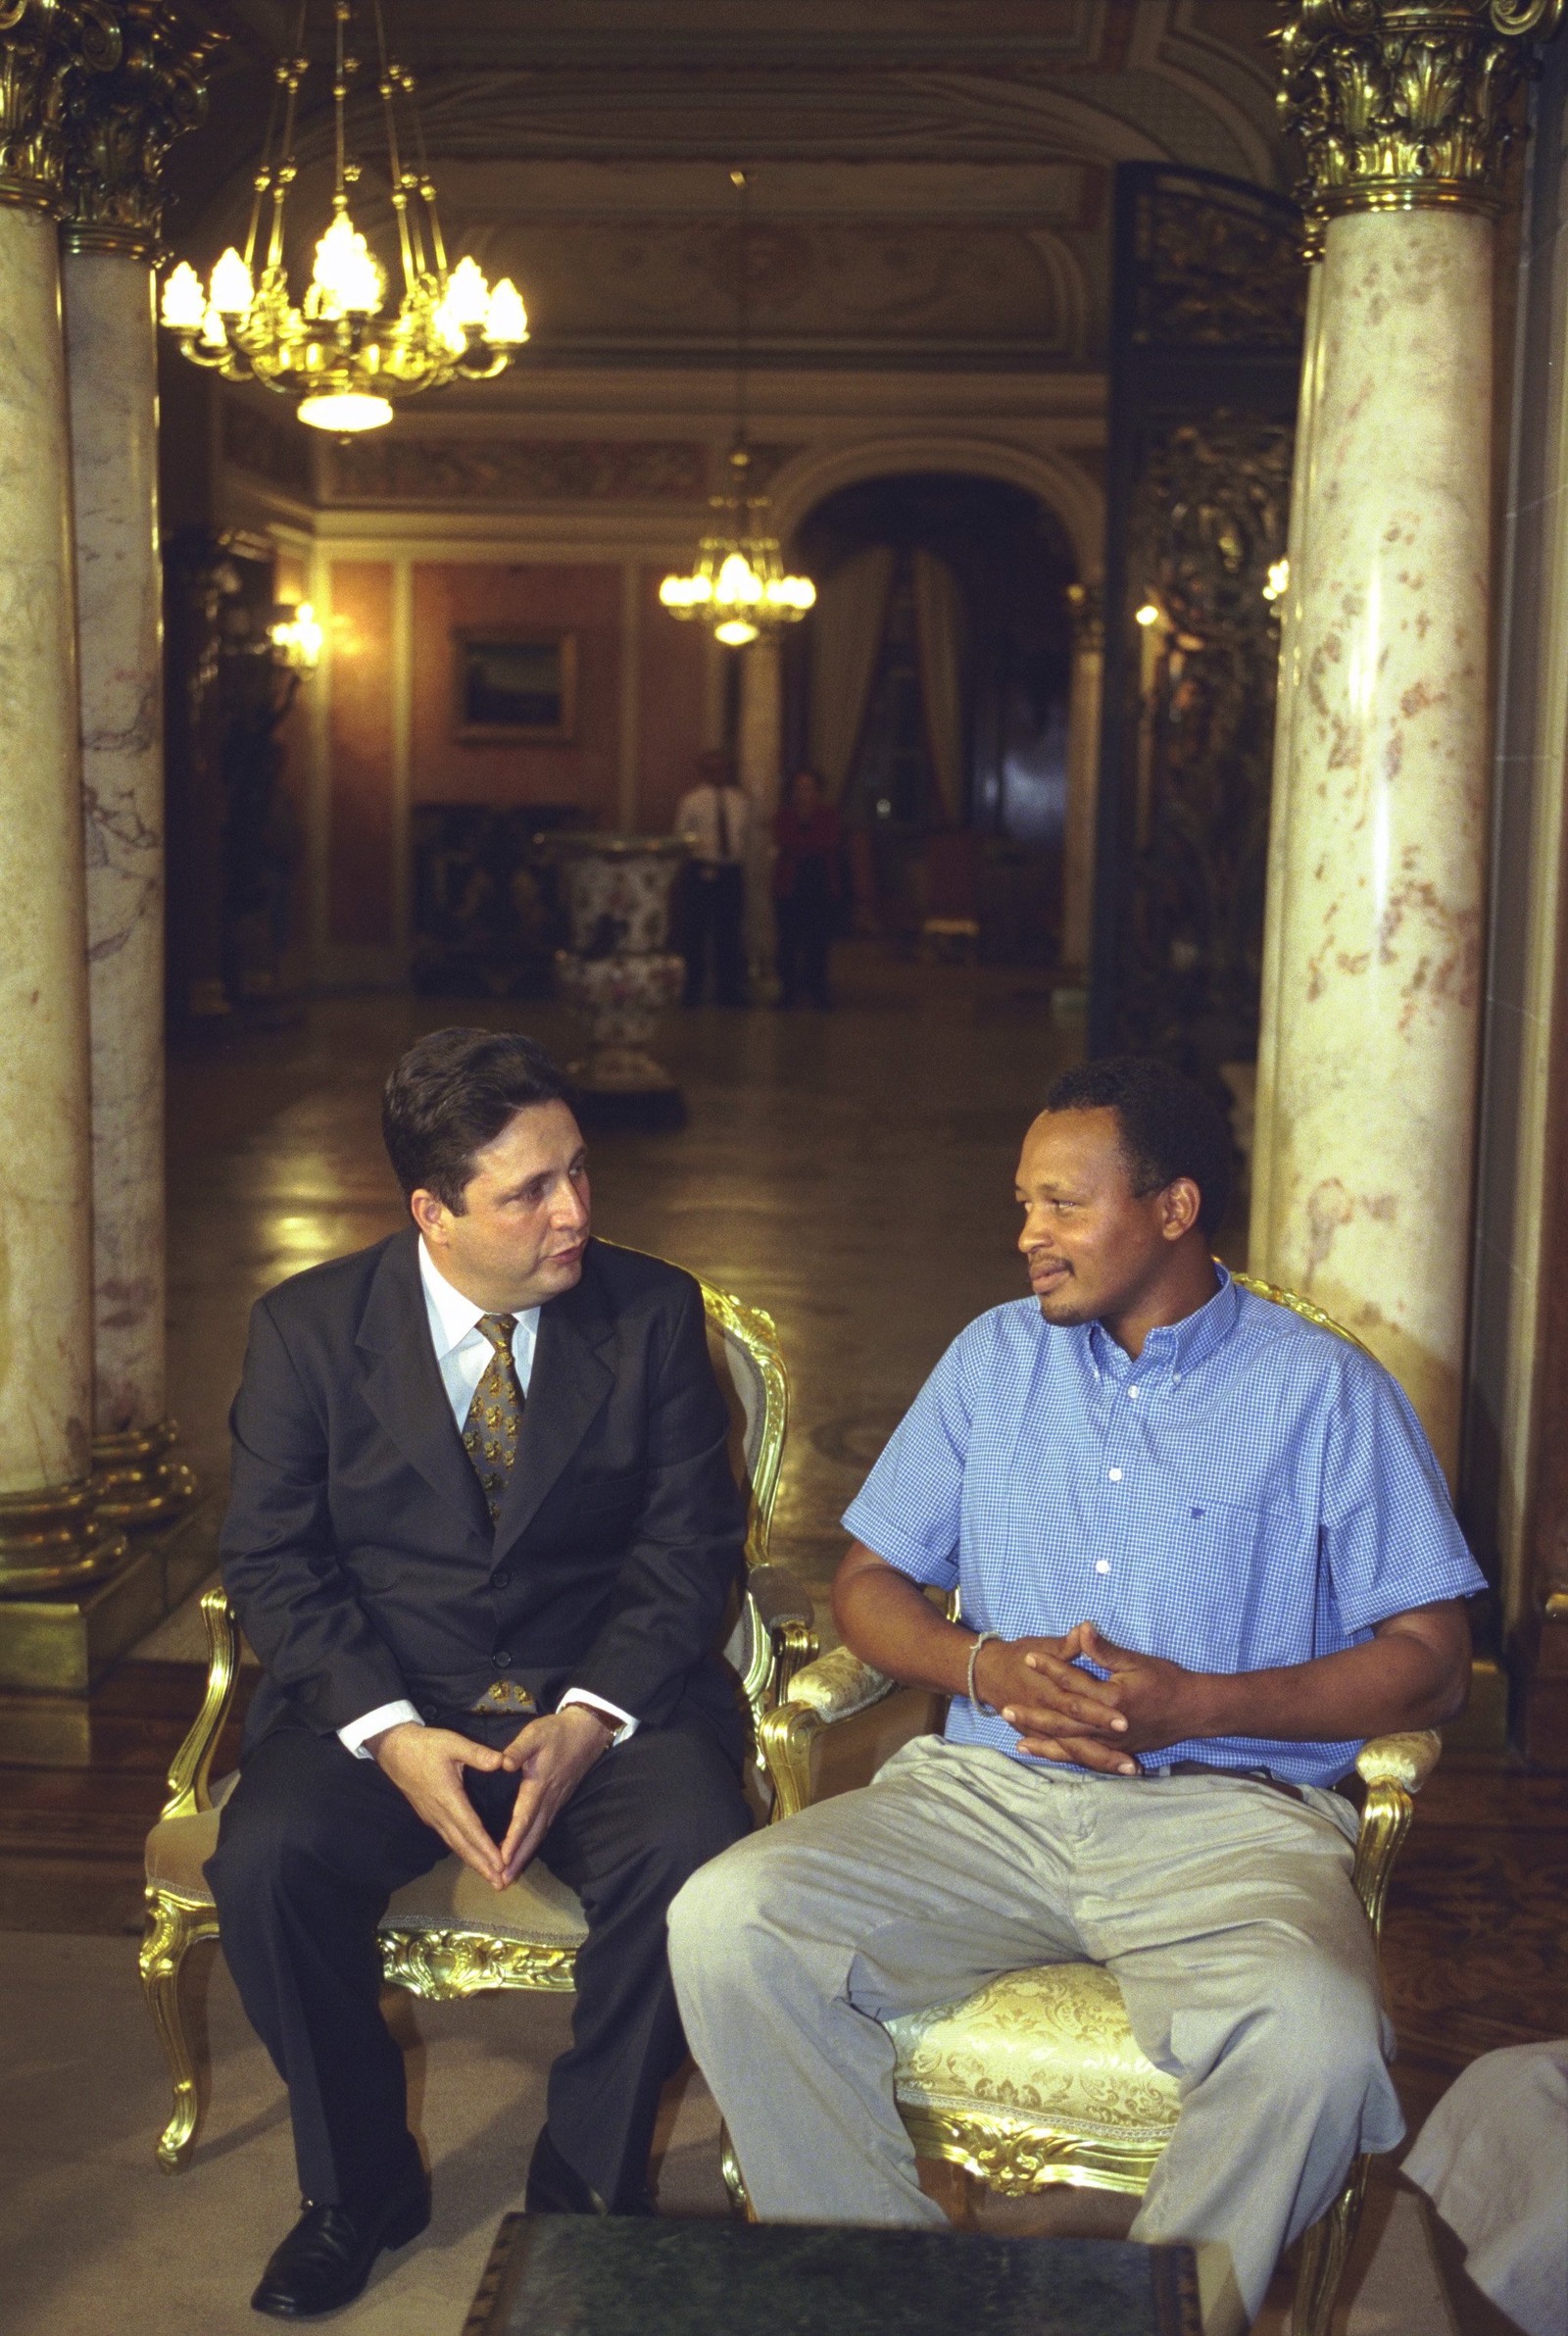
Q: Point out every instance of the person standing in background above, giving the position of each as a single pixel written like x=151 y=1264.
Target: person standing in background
x=715 y=820
x=807 y=886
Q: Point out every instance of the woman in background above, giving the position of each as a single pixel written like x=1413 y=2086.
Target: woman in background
x=807 y=885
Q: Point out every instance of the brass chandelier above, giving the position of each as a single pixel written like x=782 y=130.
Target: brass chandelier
x=344 y=358
x=738 y=587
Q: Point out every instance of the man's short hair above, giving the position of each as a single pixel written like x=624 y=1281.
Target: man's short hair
x=451 y=1095
x=1169 y=1126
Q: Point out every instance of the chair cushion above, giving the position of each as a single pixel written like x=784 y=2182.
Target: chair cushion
x=1049 y=2046
x=537 y=1908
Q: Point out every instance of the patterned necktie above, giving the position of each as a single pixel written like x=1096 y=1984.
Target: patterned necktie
x=490 y=1431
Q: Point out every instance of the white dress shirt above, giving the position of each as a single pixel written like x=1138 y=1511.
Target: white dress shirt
x=462 y=1353
x=716 y=823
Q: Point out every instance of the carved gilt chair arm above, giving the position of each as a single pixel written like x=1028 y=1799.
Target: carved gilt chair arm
x=1394 y=1768
x=834 y=1688
x=188 y=1774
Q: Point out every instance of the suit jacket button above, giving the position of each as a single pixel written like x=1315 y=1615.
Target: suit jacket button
x=503 y=1662
x=502 y=1580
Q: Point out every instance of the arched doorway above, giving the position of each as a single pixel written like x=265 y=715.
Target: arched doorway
x=931 y=688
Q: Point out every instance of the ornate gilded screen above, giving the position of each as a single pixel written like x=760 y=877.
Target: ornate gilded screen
x=1205 y=354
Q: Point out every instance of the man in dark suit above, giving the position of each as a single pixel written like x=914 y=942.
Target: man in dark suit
x=482 y=1537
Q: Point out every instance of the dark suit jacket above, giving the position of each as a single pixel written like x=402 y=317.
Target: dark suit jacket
x=358 y=1551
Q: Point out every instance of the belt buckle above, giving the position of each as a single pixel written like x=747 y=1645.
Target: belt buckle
x=505 y=1695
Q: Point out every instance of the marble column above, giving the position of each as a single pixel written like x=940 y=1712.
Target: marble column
x=758 y=770
x=1372 y=1006
x=112 y=372
x=118 y=134
x=49 y=1537
x=1289 y=682
x=1086 y=608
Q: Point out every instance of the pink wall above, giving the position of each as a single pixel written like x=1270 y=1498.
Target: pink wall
x=584 y=600
x=360 y=733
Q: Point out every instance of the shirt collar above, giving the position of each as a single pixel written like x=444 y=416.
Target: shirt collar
x=452 y=1315
x=1179 y=1347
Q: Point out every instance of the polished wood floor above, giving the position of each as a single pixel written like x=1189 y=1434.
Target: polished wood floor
x=853 y=1172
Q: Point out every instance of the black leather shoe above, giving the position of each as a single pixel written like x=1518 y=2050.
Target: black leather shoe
x=330 y=2252
x=557 y=2188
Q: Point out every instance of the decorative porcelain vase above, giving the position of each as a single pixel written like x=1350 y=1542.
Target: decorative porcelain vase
x=620 y=972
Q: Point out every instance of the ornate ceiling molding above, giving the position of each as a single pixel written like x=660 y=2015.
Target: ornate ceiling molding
x=1406 y=104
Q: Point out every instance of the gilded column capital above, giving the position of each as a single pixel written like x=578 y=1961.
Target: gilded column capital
x=1405 y=103
x=1086 y=614
x=46 y=48
x=120 y=124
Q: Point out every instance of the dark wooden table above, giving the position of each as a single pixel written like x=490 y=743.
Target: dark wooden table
x=575 y=2275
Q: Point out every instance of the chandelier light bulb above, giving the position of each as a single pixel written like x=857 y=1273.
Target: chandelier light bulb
x=1148 y=614
x=468 y=296
x=736 y=632
x=214 y=332
x=738 y=582
x=347 y=277
x=345 y=411
x=506 y=321
x=231 y=291
x=185 y=303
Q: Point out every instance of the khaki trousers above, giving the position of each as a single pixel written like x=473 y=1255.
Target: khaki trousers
x=1223 y=1908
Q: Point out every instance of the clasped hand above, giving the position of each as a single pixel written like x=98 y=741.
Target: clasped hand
x=1064 y=1713
x=550 y=1757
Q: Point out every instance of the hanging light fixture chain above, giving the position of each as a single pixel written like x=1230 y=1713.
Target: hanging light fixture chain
x=408 y=229
x=741 y=179
x=291 y=72
x=265 y=168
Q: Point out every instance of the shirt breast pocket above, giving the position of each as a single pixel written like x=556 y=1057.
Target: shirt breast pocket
x=1214 y=1577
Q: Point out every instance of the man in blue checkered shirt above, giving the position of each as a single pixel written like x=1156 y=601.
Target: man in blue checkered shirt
x=1202 y=1552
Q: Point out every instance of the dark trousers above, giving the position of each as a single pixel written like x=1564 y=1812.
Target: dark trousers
x=311 y=1844
x=715 y=918
x=804 y=924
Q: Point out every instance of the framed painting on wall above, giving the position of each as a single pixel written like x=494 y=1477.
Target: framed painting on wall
x=513 y=688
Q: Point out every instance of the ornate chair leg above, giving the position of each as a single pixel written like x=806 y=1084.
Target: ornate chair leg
x=1325 y=2251
x=740 y=2204
x=173 y=1929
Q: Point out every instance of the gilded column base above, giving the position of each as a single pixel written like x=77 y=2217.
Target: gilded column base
x=136 y=1485
x=52 y=1539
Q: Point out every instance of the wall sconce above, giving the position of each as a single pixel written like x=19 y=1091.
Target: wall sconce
x=296 y=636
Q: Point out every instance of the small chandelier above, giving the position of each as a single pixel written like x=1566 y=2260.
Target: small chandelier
x=738 y=587
x=339 y=354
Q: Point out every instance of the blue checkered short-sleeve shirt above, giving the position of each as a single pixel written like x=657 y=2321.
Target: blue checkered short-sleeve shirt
x=1250 y=1492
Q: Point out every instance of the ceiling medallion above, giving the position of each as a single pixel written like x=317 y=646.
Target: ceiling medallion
x=340 y=353
x=738 y=587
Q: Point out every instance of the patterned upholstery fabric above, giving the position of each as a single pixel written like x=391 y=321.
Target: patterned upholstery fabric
x=1051 y=2046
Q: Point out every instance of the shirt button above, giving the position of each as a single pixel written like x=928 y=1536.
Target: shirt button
x=1115 y=1475
x=503 y=1663
x=1101 y=1564
x=1132 y=1394
x=502 y=1580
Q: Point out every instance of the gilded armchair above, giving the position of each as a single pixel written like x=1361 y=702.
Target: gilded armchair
x=1036 y=2081
x=448 y=1934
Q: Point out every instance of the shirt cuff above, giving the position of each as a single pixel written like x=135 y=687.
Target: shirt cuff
x=355 y=1736
x=865 y=1523
x=596 y=1703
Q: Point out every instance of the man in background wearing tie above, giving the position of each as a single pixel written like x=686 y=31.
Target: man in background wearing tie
x=715 y=820
x=482 y=1537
